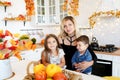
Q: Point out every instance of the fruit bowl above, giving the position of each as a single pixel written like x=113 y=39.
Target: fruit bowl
x=71 y=75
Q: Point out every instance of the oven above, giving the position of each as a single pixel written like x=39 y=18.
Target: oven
x=102 y=68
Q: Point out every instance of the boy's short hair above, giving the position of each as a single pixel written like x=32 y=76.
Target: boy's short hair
x=83 y=38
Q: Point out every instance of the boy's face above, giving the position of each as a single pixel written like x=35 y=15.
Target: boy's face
x=81 y=46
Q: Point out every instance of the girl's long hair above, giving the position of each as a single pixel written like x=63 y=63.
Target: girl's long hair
x=46 y=50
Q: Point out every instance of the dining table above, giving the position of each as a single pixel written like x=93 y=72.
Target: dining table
x=19 y=69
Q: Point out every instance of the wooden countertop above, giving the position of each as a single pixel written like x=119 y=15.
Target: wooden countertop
x=115 y=53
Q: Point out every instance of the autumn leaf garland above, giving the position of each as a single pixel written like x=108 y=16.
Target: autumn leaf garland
x=71 y=6
x=94 y=16
x=30 y=8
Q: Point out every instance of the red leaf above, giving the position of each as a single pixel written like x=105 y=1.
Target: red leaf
x=1 y=46
x=6 y=56
x=4 y=44
x=2 y=35
x=12 y=48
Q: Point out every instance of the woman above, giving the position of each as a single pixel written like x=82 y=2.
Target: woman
x=67 y=37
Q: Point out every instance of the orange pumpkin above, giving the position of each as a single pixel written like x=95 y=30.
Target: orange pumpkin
x=59 y=76
x=42 y=42
x=41 y=75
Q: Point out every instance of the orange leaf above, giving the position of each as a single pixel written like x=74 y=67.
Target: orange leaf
x=18 y=55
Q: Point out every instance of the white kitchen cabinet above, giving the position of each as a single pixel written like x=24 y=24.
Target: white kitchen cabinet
x=32 y=55
x=29 y=55
x=116 y=66
x=37 y=53
x=104 y=57
x=115 y=63
x=49 y=12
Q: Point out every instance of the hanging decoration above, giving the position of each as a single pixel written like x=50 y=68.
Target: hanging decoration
x=30 y=9
x=71 y=6
x=94 y=16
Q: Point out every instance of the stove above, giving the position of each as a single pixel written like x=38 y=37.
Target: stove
x=108 y=48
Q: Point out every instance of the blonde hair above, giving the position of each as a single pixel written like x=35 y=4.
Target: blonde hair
x=63 y=34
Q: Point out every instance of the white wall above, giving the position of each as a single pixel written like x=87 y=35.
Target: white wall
x=106 y=30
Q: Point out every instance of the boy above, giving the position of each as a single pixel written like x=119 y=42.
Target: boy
x=82 y=54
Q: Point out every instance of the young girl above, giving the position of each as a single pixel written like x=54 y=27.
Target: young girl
x=52 y=53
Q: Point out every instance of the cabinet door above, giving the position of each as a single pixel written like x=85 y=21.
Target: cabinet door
x=105 y=57
x=116 y=66
x=27 y=55
x=32 y=55
x=37 y=53
x=116 y=69
x=49 y=12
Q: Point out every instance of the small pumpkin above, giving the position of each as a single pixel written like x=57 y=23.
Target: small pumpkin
x=41 y=75
x=59 y=76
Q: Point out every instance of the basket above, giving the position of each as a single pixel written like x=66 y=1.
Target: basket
x=71 y=75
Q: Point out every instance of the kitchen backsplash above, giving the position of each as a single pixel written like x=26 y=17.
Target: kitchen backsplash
x=40 y=32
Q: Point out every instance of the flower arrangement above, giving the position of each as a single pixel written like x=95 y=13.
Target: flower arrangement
x=93 y=17
x=71 y=6
x=10 y=45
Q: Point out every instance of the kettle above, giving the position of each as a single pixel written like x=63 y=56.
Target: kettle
x=94 y=44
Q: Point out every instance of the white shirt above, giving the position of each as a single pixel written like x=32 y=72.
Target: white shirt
x=56 y=59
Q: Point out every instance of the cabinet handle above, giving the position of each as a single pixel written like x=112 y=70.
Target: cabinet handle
x=36 y=50
x=23 y=58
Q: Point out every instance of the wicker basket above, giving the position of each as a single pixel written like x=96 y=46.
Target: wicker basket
x=71 y=75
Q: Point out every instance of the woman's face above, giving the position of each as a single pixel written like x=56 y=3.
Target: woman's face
x=52 y=43
x=69 y=27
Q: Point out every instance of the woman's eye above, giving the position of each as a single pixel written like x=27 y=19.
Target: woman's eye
x=65 y=26
x=54 y=41
x=70 y=24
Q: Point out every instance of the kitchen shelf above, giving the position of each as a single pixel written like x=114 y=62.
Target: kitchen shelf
x=13 y=19
x=85 y=28
x=5 y=5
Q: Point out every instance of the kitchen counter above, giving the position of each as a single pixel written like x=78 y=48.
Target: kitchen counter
x=115 y=53
x=19 y=68
x=114 y=57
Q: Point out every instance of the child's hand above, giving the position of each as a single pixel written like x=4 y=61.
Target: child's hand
x=79 y=70
x=76 y=65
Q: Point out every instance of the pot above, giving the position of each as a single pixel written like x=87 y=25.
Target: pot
x=5 y=69
x=110 y=45
x=94 y=45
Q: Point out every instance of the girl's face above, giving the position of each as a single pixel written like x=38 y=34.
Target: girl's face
x=52 y=43
x=81 y=46
x=69 y=27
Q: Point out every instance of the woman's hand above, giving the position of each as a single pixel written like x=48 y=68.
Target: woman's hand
x=84 y=65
